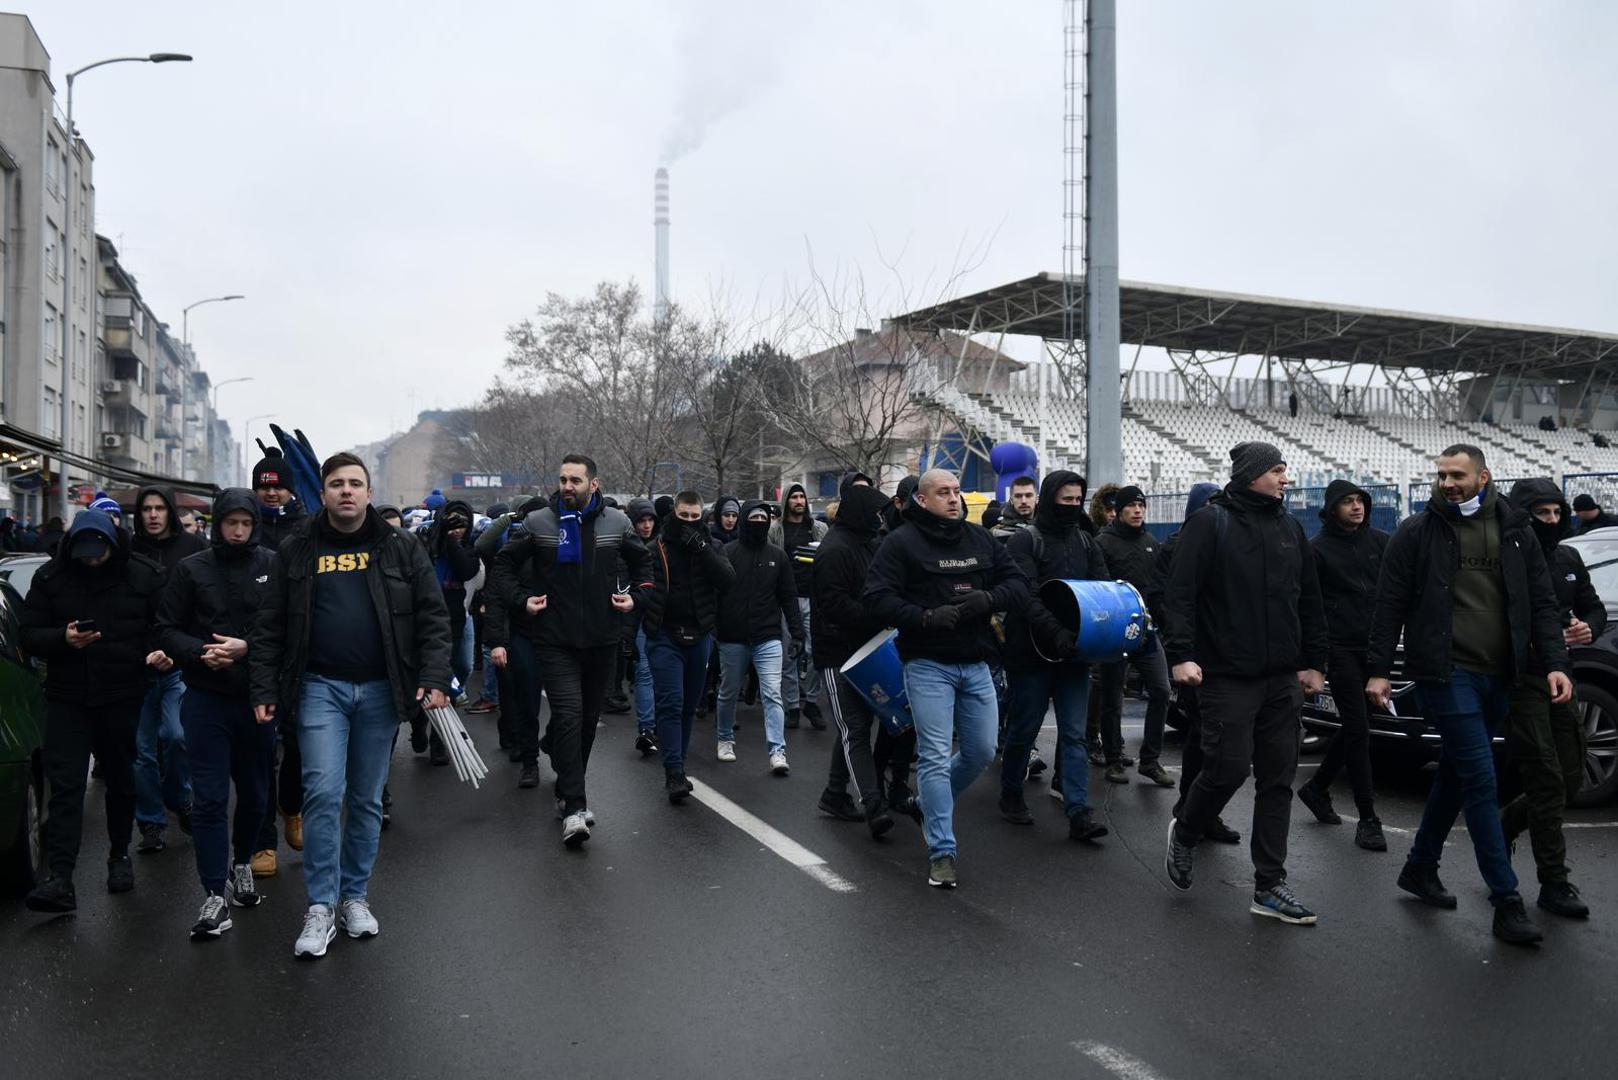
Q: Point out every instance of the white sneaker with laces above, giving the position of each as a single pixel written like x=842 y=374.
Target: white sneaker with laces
x=575 y=830
x=243 y=893
x=319 y=927
x=358 y=920
x=778 y=763
x=727 y=750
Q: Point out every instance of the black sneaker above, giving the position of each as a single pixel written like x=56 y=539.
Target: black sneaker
x=1368 y=835
x=676 y=787
x=811 y=712
x=1036 y=767
x=242 y=889
x=1220 y=833
x=1014 y=809
x=1083 y=826
x=1422 y=883
x=1278 y=902
x=183 y=817
x=151 y=840
x=1512 y=925
x=1319 y=804
x=438 y=753
x=529 y=777
x=54 y=896
x=213 y=919
x=1158 y=775
x=120 y=875
x=877 y=818
x=792 y=718
x=1098 y=756
x=387 y=806
x=1178 y=860
x=901 y=800
x=1126 y=761
x=646 y=743
x=1561 y=898
x=941 y=872
x=842 y=807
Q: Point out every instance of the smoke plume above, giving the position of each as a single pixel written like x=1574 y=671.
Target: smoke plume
x=728 y=54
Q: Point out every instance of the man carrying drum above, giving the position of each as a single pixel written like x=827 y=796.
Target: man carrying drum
x=1041 y=655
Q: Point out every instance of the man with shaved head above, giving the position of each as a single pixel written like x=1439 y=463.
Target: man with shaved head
x=938 y=582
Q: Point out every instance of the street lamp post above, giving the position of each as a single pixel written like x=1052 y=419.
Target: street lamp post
x=185 y=377
x=247 y=431
x=216 y=386
x=67 y=259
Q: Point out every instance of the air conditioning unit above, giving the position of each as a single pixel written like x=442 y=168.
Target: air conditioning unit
x=112 y=441
x=109 y=386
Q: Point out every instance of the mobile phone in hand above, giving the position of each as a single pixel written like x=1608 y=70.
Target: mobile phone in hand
x=85 y=626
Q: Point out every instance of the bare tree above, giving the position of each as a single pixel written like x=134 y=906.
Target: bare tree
x=511 y=431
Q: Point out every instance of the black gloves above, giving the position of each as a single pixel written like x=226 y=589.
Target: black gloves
x=1066 y=642
x=941 y=618
x=695 y=540
x=976 y=604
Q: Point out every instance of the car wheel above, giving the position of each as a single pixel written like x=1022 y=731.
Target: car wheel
x=1599 y=713
x=22 y=860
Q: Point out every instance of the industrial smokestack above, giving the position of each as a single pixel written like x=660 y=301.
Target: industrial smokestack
x=660 y=221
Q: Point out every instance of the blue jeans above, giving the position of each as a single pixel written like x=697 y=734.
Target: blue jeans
x=1068 y=686
x=765 y=657
x=949 y=701
x=491 y=681
x=799 y=679
x=460 y=656
x=162 y=775
x=345 y=734
x=226 y=746
x=645 y=699
x=1466 y=711
x=679 y=674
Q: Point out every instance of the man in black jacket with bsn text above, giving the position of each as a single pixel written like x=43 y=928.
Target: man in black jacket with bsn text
x=1348 y=558
x=351 y=638
x=1466 y=583
x=203 y=621
x=89 y=616
x=1546 y=738
x=1245 y=626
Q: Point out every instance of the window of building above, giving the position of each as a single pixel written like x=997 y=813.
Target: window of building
x=48 y=344
x=82 y=285
x=53 y=158
x=78 y=430
x=84 y=207
x=49 y=406
x=53 y=259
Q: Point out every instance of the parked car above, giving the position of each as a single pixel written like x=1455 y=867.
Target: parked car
x=1595 y=677
x=22 y=737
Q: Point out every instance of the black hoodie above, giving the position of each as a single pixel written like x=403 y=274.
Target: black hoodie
x=1348 y=562
x=1055 y=545
x=454 y=562
x=217 y=591
x=1575 y=595
x=840 y=621
x=763 y=593
x=687 y=584
x=177 y=545
x=931 y=562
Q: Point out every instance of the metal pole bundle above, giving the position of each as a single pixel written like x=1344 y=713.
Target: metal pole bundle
x=463 y=753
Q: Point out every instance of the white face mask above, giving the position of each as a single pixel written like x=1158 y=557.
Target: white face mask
x=1471 y=506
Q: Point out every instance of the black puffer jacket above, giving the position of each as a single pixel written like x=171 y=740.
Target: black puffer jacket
x=217 y=591
x=1131 y=553
x=691 y=582
x=763 y=593
x=839 y=618
x=929 y=562
x=1242 y=597
x=405 y=596
x=1050 y=548
x=1575 y=594
x=1415 y=595
x=455 y=562
x=121 y=596
x=278 y=523
x=1348 y=562
x=177 y=545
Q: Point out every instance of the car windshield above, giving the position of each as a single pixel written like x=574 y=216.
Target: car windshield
x=19 y=573
x=1604 y=576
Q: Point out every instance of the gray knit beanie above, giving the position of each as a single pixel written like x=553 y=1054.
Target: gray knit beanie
x=1251 y=460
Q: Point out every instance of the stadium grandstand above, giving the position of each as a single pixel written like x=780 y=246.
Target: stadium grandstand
x=1364 y=394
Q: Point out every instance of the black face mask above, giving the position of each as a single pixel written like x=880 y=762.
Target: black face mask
x=755 y=533
x=1549 y=533
x=1066 y=515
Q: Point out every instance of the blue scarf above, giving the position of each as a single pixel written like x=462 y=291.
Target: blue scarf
x=569 y=547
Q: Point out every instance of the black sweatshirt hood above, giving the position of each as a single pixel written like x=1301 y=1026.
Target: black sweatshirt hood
x=798 y=489
x=1527 y=494
x=1336 y=492
x=228 y=501
x=860 y=512
x=754 y=533
x=167 y=495
x=1056 y=518
x=93 y=521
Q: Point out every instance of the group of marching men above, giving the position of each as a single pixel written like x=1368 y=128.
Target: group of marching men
x=351 y=624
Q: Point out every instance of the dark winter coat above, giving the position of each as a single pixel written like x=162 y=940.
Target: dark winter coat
x=1575 y=594
x=177 y=545
x=1242 y=597
x=700 y=578
x=1347 y=562
x=1131 y=554
x=121 y=596
x=217 y=591
x=1047 y=550
x=763 y=593
x=840 y=620
x=1163 y=565
x=1414 y=595
x=405 y=596
x=278 y=523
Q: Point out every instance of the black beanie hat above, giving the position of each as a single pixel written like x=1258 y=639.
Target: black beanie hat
x=1126 y=495
x=662 y=505
x=272 y=471
x=1585 y=502
x=1251 y=460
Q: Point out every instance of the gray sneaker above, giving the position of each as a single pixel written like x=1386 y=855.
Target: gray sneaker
x=319 y=927
x=358 y=920
x=240 y=887
x=575 y=830
x=212 y=920
x=941 y=872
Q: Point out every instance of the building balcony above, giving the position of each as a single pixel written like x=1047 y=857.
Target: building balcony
x=123 y=394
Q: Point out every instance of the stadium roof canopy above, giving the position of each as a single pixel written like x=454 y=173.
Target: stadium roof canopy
x=1204 y=322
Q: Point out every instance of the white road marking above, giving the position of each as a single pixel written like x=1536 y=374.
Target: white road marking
x=771 y=837
x=1117 y=1062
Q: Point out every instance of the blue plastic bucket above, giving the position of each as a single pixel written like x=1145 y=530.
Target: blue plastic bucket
x=1108 y=617
x=878 y=674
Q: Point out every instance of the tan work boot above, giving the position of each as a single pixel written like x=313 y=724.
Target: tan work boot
x=292 y=825
x=263 y=863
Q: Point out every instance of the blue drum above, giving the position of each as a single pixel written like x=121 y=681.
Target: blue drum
x=878 y=674
x=1108 y=617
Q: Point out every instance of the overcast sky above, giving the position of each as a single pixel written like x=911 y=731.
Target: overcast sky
x=393 y=184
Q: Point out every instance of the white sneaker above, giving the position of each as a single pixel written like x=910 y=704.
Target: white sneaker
x=358 y=920
x=575 y=830
x=778 y=763
x=727 y=750
x=319 y=927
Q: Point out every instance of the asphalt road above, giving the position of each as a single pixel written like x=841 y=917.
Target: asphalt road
x=698 y=942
